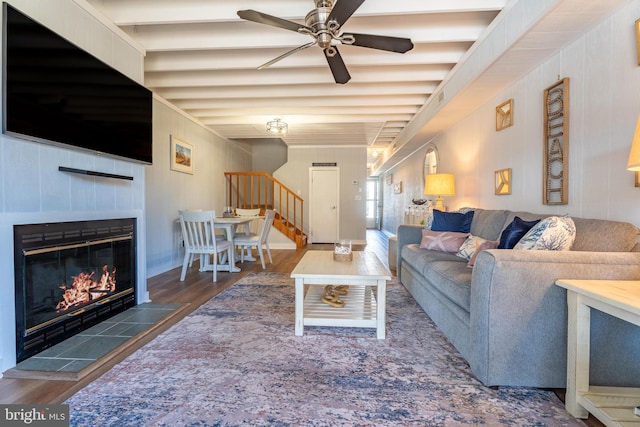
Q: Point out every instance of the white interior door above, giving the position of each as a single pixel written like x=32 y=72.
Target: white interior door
x=324 y=195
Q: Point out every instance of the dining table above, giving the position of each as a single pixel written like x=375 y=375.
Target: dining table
x=230 y=225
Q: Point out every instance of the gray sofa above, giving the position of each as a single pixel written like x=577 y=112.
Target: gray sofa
x=505 y=315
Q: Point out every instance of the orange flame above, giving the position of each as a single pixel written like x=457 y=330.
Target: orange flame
x=84 y=289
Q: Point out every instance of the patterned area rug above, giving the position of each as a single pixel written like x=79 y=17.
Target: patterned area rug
x=235 y=361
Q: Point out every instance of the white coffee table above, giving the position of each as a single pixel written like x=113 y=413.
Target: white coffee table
x=613 y=406
x=363 y=307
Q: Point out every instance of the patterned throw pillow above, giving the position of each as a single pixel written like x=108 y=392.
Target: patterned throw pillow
x=488 y=244
x=446 y=241
x=555 y=233
x=469 y=246
x=428 y=220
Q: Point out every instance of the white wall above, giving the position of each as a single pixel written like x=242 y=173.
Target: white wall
x=169 y=191
x=32 y=190
x=352 y=162
x=268 y=154
x=604 y=78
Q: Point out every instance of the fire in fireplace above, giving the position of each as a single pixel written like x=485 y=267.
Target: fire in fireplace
x=70 y=276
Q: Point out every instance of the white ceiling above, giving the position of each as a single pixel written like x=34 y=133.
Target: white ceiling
x=203 y=58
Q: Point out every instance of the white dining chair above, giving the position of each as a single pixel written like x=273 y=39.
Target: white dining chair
x=190 y=257
x=243 y=213
x=247 y=212
x=199 y=236
x=257 y=240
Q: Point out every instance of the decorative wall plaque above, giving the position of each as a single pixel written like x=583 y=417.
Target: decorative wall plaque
x=638 y=38
x=556 y=144
x=504 y=115
x=503 y=182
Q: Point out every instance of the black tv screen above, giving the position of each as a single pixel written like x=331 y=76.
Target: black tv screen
x=55 y=92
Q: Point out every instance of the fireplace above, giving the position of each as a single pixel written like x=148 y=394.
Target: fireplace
x=70 y=276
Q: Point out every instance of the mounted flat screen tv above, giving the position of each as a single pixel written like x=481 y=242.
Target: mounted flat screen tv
x=55 y=92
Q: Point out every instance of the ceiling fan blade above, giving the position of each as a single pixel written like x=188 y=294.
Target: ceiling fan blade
x=391 y=44
x=284 y=55
x=338 y=69
x=263 y=18
x=343 y=10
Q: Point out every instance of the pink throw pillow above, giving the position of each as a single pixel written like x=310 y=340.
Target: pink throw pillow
x=489 y=244
x=443 y=241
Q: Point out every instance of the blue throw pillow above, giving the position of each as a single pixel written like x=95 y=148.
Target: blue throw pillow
x=452 y=221
x=514 y=232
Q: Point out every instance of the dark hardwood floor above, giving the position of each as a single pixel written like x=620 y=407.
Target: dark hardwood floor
x=196 y=290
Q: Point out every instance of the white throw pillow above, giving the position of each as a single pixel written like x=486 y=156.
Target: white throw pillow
x=469 y=246
x=554 y=233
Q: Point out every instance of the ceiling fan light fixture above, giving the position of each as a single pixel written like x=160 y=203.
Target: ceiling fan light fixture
x=277 y=127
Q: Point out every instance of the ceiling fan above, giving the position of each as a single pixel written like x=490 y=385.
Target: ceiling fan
x=323 y=24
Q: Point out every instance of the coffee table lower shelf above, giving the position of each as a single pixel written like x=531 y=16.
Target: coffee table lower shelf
x=359 y=311
x=611 y=405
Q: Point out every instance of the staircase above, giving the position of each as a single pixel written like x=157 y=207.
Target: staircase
x=252 y=190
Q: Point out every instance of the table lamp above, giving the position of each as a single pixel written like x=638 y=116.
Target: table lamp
x=440 y=184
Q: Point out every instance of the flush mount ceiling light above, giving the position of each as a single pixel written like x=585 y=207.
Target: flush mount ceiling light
x=277 y=126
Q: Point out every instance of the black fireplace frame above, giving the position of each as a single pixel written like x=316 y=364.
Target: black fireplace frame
x=50 y=235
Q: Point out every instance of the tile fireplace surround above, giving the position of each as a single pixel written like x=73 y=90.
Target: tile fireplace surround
x=7 y=275
x=70 y=276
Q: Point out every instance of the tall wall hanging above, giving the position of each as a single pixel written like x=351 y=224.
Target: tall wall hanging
x=556 y=144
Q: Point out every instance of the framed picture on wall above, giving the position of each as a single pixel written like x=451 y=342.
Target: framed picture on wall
x=182 y=156
x=504 y=115
x=503 y=182
x=638 y=38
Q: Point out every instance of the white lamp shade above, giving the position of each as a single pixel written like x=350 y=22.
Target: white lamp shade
x=440 y=184
x=634 y=155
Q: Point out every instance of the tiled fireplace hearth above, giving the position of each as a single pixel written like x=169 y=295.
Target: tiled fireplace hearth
x=70 y=276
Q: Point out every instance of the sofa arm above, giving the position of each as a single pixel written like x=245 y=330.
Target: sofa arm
x=407 y=234
x=518 y=317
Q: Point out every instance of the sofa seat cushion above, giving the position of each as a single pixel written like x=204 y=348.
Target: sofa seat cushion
x=446 y=272
x=414 y=255
x=451 y=278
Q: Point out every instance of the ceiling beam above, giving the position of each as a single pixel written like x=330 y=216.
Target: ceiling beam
x=138 y=12
x=295 y=76
x=221 y=59
x=301 y=90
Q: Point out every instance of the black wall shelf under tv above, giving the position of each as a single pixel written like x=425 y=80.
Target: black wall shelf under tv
x=94 y=173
